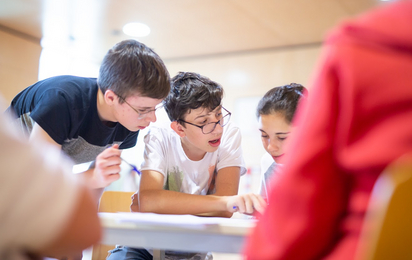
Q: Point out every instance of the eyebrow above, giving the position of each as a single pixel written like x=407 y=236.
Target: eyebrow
x=278 y=133
x=143 y=108
x=214 y=110
x=146 y=108
x=281 y=133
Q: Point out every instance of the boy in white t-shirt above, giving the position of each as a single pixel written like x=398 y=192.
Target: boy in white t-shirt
x=194 y=167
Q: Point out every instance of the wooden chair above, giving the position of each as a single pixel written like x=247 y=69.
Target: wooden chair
x=387 y=232
x=111 y=201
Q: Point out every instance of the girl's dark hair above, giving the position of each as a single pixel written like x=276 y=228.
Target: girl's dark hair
x=283 y=99
x=130 y=67
x=191 y=91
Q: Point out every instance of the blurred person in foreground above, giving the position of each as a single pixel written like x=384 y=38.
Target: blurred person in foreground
x=357 y=120
x=44 y=209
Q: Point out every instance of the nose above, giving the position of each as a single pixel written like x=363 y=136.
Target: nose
x=151 y=117
x=272 y=146
x=218 y=129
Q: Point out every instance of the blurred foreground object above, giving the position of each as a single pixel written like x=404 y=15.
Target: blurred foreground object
x=44 y=209
x=356 y=121
x=387 y=232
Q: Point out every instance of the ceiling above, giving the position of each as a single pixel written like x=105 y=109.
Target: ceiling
x=180 y=29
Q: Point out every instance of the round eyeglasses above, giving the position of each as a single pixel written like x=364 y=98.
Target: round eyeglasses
x=141 y=113
x=210 y=127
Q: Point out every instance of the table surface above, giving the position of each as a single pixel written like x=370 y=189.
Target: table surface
x=176 y=232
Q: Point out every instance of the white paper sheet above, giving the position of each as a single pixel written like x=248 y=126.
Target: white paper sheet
x=187 y=221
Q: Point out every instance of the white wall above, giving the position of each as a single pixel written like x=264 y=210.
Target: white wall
x=19 y=63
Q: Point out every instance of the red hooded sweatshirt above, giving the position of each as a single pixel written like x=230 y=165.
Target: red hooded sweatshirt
x=356 y=120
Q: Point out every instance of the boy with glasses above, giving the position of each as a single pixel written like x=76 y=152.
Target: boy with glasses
x=194 y=167
x=84 y=116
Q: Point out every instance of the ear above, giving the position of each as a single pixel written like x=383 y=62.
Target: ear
x=178 y=128
x=110 y=97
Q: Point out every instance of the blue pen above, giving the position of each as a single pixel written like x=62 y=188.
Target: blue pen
x=131 y=165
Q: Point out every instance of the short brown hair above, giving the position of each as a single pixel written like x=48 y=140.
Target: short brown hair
x=130 y=67
x=191 y=91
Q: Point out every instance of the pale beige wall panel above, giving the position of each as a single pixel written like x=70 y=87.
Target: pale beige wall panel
x=19 y=64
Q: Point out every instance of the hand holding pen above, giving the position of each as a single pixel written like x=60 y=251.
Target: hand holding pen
x=133 y=166
x=106 y=167
x=115 y=146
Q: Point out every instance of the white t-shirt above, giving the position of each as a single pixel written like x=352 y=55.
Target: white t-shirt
x=164 y=153
x=37 y=192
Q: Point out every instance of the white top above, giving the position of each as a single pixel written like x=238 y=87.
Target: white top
x=267 y=169
x=265 y=162
x=37 y=192
x=164 y=153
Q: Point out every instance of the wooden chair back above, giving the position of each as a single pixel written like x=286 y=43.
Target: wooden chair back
x=111 y=201
x=387 y=230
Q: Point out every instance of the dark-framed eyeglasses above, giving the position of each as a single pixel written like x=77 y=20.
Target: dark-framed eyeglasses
x=141 y=113
x=210 y=127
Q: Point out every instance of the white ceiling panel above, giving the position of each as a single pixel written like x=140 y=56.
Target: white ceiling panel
x=180 y=28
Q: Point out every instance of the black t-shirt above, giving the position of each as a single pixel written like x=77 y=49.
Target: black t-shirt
x=65 y=107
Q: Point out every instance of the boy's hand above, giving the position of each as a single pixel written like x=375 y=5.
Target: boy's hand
x=246 y=203
x=107 y=167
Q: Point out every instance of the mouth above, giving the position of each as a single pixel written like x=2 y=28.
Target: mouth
x=215 y=142
x=277 y=157
x=141 y=127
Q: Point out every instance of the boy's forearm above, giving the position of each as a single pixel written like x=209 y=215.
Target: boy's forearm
x=221 y=214
x=81 y=230
x=172 y=202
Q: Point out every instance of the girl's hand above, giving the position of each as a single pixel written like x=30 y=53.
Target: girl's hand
x=246 y=203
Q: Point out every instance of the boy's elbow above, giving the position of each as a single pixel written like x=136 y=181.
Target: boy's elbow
x=144 y=203
x=135 y=205
x=227 y=214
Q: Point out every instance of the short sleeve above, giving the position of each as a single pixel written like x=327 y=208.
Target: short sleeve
x=130 y=140
x=155 y=151
x=230 y=151
x=53 y=114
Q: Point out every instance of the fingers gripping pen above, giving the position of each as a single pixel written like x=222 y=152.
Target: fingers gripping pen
x=133 y=166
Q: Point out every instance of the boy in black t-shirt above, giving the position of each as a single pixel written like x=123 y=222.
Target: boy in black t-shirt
x=84 y=116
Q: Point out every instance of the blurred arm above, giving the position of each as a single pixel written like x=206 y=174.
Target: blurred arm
x=81 y=231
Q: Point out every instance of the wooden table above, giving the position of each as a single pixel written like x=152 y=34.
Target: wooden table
x=175 y=232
